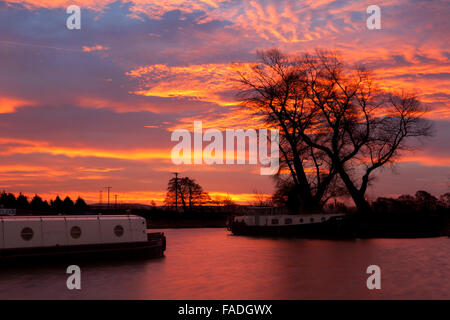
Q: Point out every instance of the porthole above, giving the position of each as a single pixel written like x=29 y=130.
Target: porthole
x=312 y=219
x=118 y=230
x=75 y=232
x=288 y=221
x=323 y=219
x=27 y=234
x=301 y=220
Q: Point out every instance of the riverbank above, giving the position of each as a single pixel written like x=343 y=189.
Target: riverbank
x=399 y=225
x=170 y=224
x=157 y=219
x=381 y=224
x=365 y=227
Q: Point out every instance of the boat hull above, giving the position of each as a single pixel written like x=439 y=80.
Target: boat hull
x=153 y=248
x=332 y=228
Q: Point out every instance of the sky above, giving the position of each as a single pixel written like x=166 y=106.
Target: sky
x=84 y=109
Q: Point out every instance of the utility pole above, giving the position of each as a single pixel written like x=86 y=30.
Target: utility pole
x=176 y=191
x=100 y=199
x=115 y=201
x=108 y=188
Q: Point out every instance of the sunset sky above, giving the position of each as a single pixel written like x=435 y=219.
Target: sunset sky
x=84 y=109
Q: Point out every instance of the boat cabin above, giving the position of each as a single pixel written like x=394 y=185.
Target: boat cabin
x=60 y=231
x=284 y=220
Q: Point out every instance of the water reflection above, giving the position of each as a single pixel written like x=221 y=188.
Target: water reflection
x=212 y=264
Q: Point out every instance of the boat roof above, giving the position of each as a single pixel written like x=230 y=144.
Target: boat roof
x=72 y=217
x=294 y=215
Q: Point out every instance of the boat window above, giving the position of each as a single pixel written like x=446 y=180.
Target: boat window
x=288 y=221
x=27 y=234
x=118 y=230
x=301 y=220
x=274 y=221
x=312 y=219
x=75 y=232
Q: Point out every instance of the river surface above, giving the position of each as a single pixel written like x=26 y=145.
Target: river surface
x=213 y=264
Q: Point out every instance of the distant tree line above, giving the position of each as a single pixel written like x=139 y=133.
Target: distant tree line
x=416 y=215
x=421 y=202
x=22 y=202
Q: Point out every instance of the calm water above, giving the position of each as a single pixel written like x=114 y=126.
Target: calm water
x=212 y=264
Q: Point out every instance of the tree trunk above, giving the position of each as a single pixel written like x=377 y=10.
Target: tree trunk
x=304 y=190
x=358 y=197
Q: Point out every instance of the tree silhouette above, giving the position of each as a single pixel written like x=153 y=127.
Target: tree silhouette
x=22 y=201
x=227 y=201
x=422 y=202
x=426 y=200
x=274 y=90
x=185 y=191
x=57 y=204
x=68 y=204
x=80 y=205
x=333 y=121
x=36 y=203
x=445 y=199
x=8 y=200
x=261 y=200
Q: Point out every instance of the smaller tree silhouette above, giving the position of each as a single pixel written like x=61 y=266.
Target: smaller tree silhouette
x=36 y=203
x=8 y=200
x=22 y=201
x=68 y=204
x=57 y=204
x=445 y=199
x=187 y=192
x=80 y=205
x=426 y=201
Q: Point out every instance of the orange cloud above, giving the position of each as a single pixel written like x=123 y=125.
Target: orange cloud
x=94 y=48
x=154 y=9
x=441 y=161
x=9 y=104
x=232 y=118
x=53 y=4
x=27 y=146
x=15 y=172
x=203 y=82
x=239 y=198
x=284 y=21
x=100 y=170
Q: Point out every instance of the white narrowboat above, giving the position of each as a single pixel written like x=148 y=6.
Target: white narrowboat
x=317 y=225
x=25 y=236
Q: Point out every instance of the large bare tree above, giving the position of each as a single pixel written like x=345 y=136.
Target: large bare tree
x=333 y=120
x=274 y=89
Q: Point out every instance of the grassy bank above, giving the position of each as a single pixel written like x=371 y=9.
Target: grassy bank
x=157 y=219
